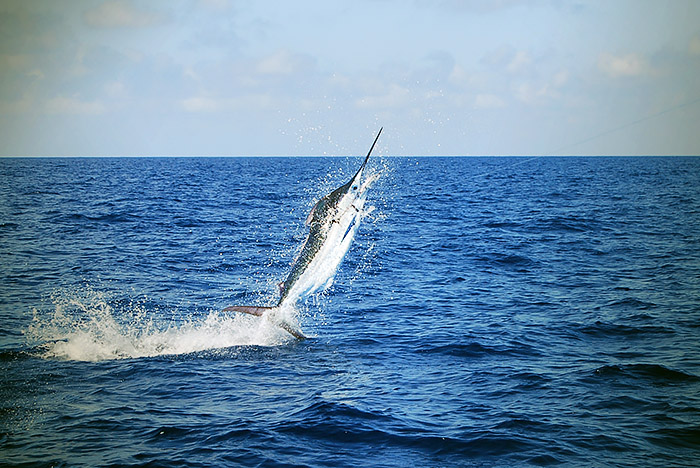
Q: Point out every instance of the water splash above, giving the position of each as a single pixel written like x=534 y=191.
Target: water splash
x=85 y=325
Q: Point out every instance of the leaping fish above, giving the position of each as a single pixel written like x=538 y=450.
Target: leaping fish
x=332 y=223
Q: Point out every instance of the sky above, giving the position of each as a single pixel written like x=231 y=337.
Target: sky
x=303 y=77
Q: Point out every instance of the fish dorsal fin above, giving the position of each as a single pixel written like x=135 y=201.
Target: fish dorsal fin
x=314 y=211
x=310 y=217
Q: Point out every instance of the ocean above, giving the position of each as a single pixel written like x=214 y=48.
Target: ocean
x=491 y=311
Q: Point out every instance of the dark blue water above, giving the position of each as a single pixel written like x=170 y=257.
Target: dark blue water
x=491 y=312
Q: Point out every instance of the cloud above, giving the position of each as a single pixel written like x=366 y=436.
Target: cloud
x=74 y=105
x=120 y=14
x=284 y=62
x=530 y=93
x=520 y=62
x=19 y=106
x=509 y=60
x=476 y=6
x=499 y=57
x=15 y=62
x=248 y=103
x=26 y=28
x=560 y=78
x=395 y=96
x=694 y=46
x=629 y=65
x=218 y=5
x=488 y=101
x=120 y=66
x=201 y=104
x=541 y=91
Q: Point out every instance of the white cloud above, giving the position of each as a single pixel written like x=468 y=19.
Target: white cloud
x=201 y=104
x=395 y=96
x=460 y=77
x=629 y=65
x=15 y=62
x=541 y=91
x=529 y=93
x=284 y=62
x=694 y=46
x=488 y=101
x=248 y=103
x=115 y=90
x=218 y=5
x=20 y=106
x=475 y=6
x=74 y=105
x=560 y=78
x=340 y=80
x=120 y=14
x=36 y=73
x=520 y=62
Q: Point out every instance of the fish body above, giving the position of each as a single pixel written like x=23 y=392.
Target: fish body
x=332 y=223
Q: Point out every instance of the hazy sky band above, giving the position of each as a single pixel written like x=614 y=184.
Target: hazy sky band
x=221 y=77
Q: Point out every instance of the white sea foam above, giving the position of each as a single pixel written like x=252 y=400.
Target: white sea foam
x=85 y=326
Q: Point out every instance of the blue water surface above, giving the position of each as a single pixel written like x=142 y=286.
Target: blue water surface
x=491 y=312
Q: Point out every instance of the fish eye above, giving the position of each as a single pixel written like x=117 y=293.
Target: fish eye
x=354 y=187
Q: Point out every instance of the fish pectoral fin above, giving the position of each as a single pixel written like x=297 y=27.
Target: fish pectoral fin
x=252 y=310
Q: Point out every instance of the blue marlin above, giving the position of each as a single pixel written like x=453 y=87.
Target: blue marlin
x=332 y=223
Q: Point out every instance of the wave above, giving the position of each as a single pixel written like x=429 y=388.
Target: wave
x=8 y=226
x=651 y=372
x=503 y=225
x=677 y=437
x=102 y=218
x=13 y=355
x=517 y=263
x=563 y=224
x=85 y=325
x=478 y=350
x=183 y=222
x=606 y=329
x=631 y=302
x=344 y=422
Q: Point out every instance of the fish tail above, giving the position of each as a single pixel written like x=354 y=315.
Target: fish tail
x=260 y=311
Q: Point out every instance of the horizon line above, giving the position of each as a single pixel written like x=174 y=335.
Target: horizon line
x=143 y=156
